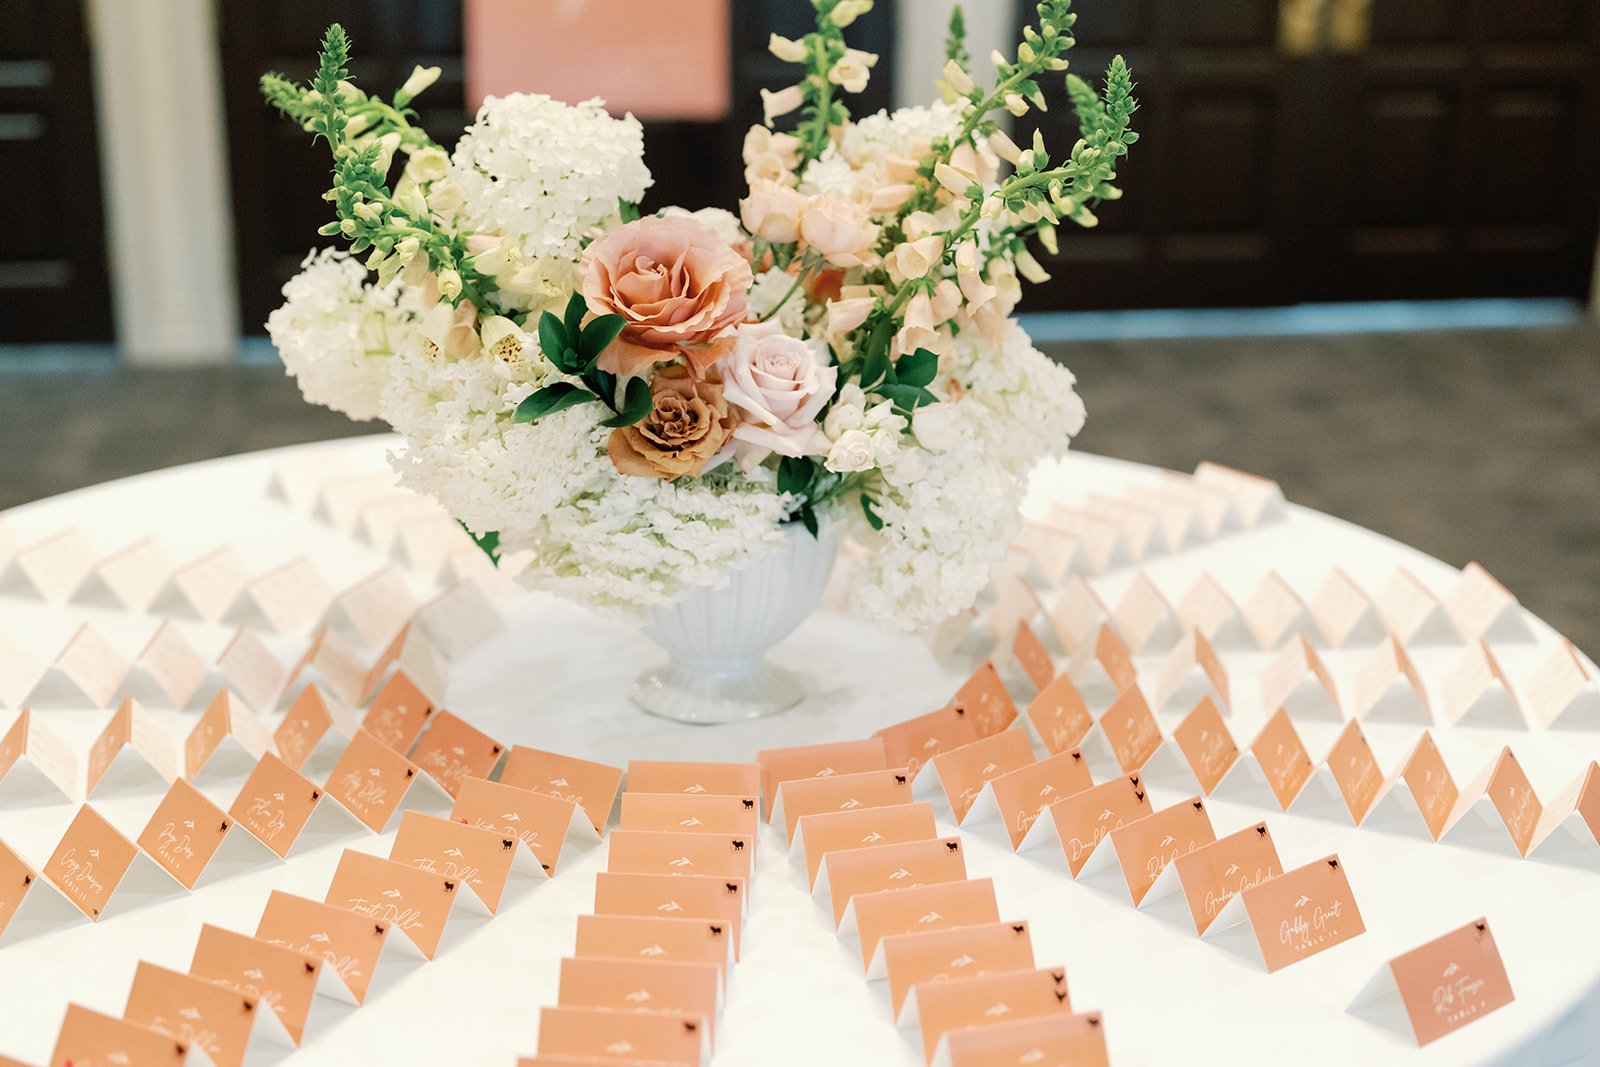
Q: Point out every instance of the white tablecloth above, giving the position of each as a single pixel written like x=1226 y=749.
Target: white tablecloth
x=557 y=677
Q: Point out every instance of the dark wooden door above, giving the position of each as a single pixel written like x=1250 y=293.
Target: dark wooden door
x=1419 y=149
x=53 y=277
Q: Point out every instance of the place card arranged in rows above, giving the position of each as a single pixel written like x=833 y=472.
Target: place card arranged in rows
x=88 y=1036
x=542 y=823
x=656 y=937
x=668 y=776
x=1292 y=917
x=780 y=765
x=799 y=797
x=656 y=1036
x=959 y=774
x=659 y=985
x=222 y=1021
x=1076 y=1039
x=1136 y=854
x=919 y=909
x=279 y=977
x=1440 y=986
x=350 y=943
x=818 y=835
x=712 y=898
x=702 y=813
x=945 y=1009
x=914 y=959
x=591 y=786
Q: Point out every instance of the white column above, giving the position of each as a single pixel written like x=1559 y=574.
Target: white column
x=163 y=151
x=920 y=27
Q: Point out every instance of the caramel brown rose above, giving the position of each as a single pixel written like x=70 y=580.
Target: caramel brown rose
x=688 y=425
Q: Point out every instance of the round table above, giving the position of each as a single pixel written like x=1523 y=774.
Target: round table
x=557 y=677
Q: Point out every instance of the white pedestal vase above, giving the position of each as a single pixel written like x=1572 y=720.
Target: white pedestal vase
x=718 y=638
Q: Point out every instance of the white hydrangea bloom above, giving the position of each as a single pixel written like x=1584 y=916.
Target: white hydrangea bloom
x=769 y=288
x=337 y=334
x=545 y=173
x=906 y=132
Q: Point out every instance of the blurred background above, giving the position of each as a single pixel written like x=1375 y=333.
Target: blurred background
x=1357 y=251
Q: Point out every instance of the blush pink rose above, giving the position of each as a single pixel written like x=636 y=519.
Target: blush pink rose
x=677 y=284
x=778 y=384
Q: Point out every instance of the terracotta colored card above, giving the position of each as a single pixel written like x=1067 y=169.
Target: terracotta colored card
x=399 y=713
x=16 y=881
x=800 y=797
x=1032 y=656
x=963 y=771
x=414 y=901
x=371 y=779
x=1355 y=769
x=453 y=750
x=212 y=583
x=87 y=1037
x=1113 y=656
x=1283 y=758
x=1059 y=716
x=348 y=943
x=1084 y=819
x=655 y=852
x=185 y=832
x=53 y=759
x=90 y=861
x=291 y=595
x=1078 y=1040
x=93 y=665
x=1451 y=981
x=1431 y=784
x=1206 y=744
x=837 y=831
x=275 y=804
x=1131 y=729
x=277 y=977
x=214 y=1018
x=633 y=937
x=959 y=952
x=985 y=999
x=676 y=1037
x=639 y=985
x=986 y=701
x=664 y=776
x=699 y=813
x=892 y=867
x=779 y=765
x=912 y=743
x=1023 y=795
x=540 y=821
x=674 y=896
x=591 y=786
x=937 y=906
x=1145 y=847
x=479 y=859
x=1302 y=912
x=1214 y=874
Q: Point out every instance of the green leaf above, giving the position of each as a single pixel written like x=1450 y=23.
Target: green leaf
x=597 y=336
x=636 y=404
x=551 y=399
x=553 y=343
x=809 y=518
x=573 y=318
x=489 y=542
x=795 y=474
x=874 y=520
x=907 y=397
x=875 y=361
x=918 y=368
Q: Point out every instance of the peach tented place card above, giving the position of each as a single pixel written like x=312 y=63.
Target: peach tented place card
x=799 y=797
x=412 y=901
x=1562 y=692
x=399 y=713
x=912 y=743
x=674 y=896
x=1192 y=670
x=283 y=809
x=88 y=1037
x=92 y=665
x=453 y=750
x=1296 y=915
x=1141 y=851
x=700 y=813
x=932 y=906
x=541 y=822
x=672 y=1036
x=99 y=869
x=1477 y=692
x=133 y=575
x=591 y=786
x=1129 y=729
x=1052 y=552
x=1354 y=770
x=1387 y=686
x=1413 y=614
x=1274 y=612
x=1215 y=873
x=1421 y=797
x=1078 y=1040
x=219 y=1020
x=461 y=618
x=230 y=737
x=19 y=673
x=1214 y=504
x=654 y=852
x=1443 y=985
x=35 y=764
x=1018 y=798
x=375 y=608
x=1031 y=655
x=653 y=937
x=1077 y=614
x=849 y=872
x=1080 y=822
x=779 y=765
x=1283 y=758
x=191 y=837
x=29 y=904
x=1482 y=609
x=946 y=955
x=985 y=701
x=1296 y=681
x=962 y=1003
x=290 y=596
x=1208 y=608
x=1100 y=538
x=481 y=860
x=1344 y=614
x=56 y=565
x=1180 y=518
x=1112 y=665
x=1256 y=499
x=278 y=977
x=211 y=584
x=170 y=662
x=1497 y=810
x=818 y=835
x=962 y=772
x=1570 y=829
x=1141 y=524
x=311 y=724
x=641 y=986
x=1059 y=716
x=374 y=781
x=1145 y=618
x=665 y=776
x=1204 y=744
x=252 y=671
x=348 y=943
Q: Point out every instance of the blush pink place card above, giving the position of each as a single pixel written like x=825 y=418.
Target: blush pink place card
x=374 y=781
x=453 y=750
x=1192 y=670
x=1077 y=613
x=1014 y=601
x=1208 y=608
x=252 y=671
x=1561 y=691
x=56 y=565
x=411 y=901
x=92 y=665
x=1141 y=525
x=674 y=896
x=1180 y=518
x=34 y=763
x=348 y=943
x=933 y=906
x=591 y=786
x=963 y=1003
x=1498 y=809
x=1100 y=538
x=911 y=743
x=135 y=574
x=1059 y=716
x=310 y=723
x=672 y=1036
x=217 y=1019
x=1274 y=612
x=1477 y=692
x=20 y=672
x=665 y=776
x=800 y=797
x=1296 y=915
x=641 y=986
x=290 y=596
x=377 y=607
x=1018 y=798
x=171 y=662
x=212 y=583
x=946 y=955
x=1444 y=984
x=1483 y=609
x=818 y=835
x=542 y=822
x=1145 y=618
x=1215 y=873
x=780 y=765
x=1051 y=551
x=1142 y=850
x=1295 y=680
x=1413 y=614
x=282 y=809
x=224 y=727
x=650 y=938
x=1078 y=1040
x=1344 y=614
x=1256 y=499
x=1032 y=656
x=278 y=977
x=700 y=813
x=87 y=1037
x=481 y=860
x=94 y=863
x=962 y=772
x=1387 y=686
x=986 y=702
x=399 y=713
x=1215 y=506
x=653 y=852
x=190 y=836
x=1570 y=829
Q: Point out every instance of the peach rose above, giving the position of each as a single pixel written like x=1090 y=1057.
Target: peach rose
x=772 y=212
x=838 y=229
x=687 y=426
x=675 y=282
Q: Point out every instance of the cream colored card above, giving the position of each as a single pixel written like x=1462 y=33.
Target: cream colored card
x=1296 y=915
x=1053 y=552
x=349 y=943
x=453 y=750
x=962 y=772
x=1077 y=614
x=1570 y=829
x=278 y=977
x=1141 y=524
x=172 y=663
x=1078 y=1040
x=291 y=595
x=1258 y=500
x=252 y=671
x=1100 y=538
x=678 y=1037
x=89 y=1038
x=379 y=520
x=656 y=852
x=958 y=952
x=309 y=724
x=591 y=786
x=1191 y=671
x=132 y=728
x=1214 y=504
x=34 y=763
x=641 y=986
x=94 y=862
x=1344 y=614
x=1032 y=656
x=479 y=859
x=1145 y=617
x=1476 y=692
x=1483 y=609
x=426 y=541
x=1208 y=608
x=229 y=739
x=779 y=765
x=1206 y=744
x=653 y=937
x=1444 y=984
x=800 y=797
x=19 y=673
x=674 y=896
x=56 y=565
x=93 y=666
x=934 y=906
x=911 y=743
x=700 y=813
x=1387 y=686
x=1412 y=613
x=1080 y=822
x=399 y=713
x=985 y=701
x=1059 y=716
x=667 y=776
x=459 y=619
x=189 y=836
x=135 y=574
x=299 y=482
x=282 y=808
x=1215 y=873
x=1562 y=691
x=943 y=1008
x=377 y=607
x=412 y=901
x=1018 y=798
x=211 y=584
x=217 y=1019
x=1498 y=809
x=340 y=498
x=835 y=831
x=374 y=781
x=1274 y=613
x=542 y=822
x=1296 y=681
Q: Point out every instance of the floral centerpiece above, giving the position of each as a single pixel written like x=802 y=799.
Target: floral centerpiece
x=638 y=407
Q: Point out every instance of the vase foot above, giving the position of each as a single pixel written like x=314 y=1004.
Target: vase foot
x=699 y=696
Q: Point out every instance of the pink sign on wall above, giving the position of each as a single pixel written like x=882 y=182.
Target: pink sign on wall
x=657 y=59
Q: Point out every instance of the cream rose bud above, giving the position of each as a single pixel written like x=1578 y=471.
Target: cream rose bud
x=848 y=412
x=773 y=212
x=937 y=427
x=852 y=452
x=778 y=384
x=838 y=229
